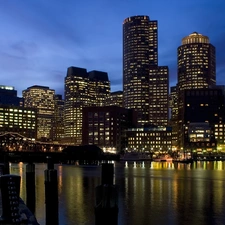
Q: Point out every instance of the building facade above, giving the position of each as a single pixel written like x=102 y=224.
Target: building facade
x=140 y=68
x=106 y=127
x=58 y=120
x=42 y=99
x=173 y=122
x=8 y=96
x=115 y=98
x=99 y=87
x=196 y=69
x=150 y=139
x=158 y=95
x=206 y=105
x=82 y=89
x=17 y=119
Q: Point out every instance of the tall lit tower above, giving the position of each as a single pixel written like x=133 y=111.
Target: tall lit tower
x=42 y=99
x=196 y=62
x=82 y=89
x=196 y=69
x=143 y=79
x=76 y=97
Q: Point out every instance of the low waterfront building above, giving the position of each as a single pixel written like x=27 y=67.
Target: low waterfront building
x=20 y=120
x=149 y=139
x=199 y=138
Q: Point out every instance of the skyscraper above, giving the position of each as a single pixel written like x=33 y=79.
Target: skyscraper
x=115 y=98
x=158 y=95
x=82 y=89
x=196 y=62
x=42 y=99
x=58 y=121
x=196 y=69
x=99 y=87
x=141 y=74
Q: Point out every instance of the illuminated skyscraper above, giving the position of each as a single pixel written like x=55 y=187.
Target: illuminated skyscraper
x=158 y=95
x=196 y=62
x=99 y=87
x=82 y=89
x=42 y=99
x=196 y=69
x=115 y=98
x=143 y=79
x=58 y=122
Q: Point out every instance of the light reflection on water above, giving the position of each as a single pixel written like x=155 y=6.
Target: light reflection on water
x=149 y=193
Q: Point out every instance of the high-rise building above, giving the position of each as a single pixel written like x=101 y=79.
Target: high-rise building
x=99 y=87
x=8 y=96
x=140 y=69
x=82 y=89
x=42 y=99
x=115 y=98
x=158 y=95
x=58 y=121
x=196 y=69
x=196 y=62
x=173 y=105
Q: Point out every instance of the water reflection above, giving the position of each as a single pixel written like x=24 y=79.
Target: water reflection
x=149 y=192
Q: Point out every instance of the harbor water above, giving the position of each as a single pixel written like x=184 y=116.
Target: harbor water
x=149 y=192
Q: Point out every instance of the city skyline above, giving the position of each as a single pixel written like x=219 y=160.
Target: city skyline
x=41 y=39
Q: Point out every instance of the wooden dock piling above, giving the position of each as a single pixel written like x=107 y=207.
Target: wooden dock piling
x=106 y=206
x=30 y=186
x=51 y=194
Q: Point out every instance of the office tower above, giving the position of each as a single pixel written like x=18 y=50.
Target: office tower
x=115 y=98
x=173 y=105
x=196 y=62
x=158 y=95
x=140 y=67
x=196 y=69
x=106 y=127
x=76 y=97
x=82 y=89
x=99 y=87
x=8 y=96
x=42 y=99
x=58 y=121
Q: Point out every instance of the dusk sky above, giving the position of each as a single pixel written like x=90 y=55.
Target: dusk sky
x=40 y=39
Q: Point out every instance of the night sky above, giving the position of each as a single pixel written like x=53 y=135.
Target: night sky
x=40 y=39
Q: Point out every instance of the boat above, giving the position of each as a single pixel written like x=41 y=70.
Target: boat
x=163 y=158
